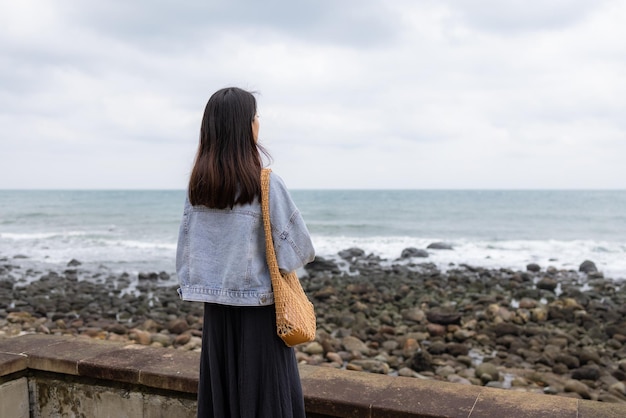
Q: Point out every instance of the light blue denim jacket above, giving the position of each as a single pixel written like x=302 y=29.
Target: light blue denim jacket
x=220 y=257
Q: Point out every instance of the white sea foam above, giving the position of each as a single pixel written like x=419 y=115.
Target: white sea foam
x=609 y=257
x=42 y=235
x=136 y=231
x=154 y=253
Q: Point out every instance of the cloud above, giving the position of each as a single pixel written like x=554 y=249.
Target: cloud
x=171 y=25
x=516 y=16
x=405 y=94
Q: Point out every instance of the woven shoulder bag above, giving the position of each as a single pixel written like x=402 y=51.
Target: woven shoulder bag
x=295 y=315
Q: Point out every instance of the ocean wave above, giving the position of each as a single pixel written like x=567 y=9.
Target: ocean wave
x=513 y=254
x=22 y=236
x=159 y=252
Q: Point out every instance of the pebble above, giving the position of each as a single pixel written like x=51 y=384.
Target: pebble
x=578 y=387
x=467 y=325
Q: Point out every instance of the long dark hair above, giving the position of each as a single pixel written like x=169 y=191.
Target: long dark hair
x=228 y=164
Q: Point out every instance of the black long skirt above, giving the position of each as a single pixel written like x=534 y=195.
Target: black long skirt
x=246 y=370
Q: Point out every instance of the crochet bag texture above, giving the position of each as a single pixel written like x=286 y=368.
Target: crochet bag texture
x=295 y=315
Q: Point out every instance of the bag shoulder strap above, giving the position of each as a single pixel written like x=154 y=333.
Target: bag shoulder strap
x=270 y=254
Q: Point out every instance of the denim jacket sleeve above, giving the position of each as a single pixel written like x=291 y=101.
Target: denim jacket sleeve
x=292 y=241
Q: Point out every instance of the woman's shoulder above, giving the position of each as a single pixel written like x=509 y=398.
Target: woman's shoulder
x=276 y=179
x=278 y=188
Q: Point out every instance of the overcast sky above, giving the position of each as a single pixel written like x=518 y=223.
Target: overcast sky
x=436 y=94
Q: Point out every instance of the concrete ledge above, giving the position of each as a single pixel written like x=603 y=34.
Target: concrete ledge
x=148 y=366
x=12 y=363
x=328 y=392
x=332 y=392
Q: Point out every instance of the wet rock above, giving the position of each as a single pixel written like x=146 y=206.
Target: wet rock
x=321 y=264
x=436 y=330
x=74 y=263
x=351 y=343
x=407 y=372
x=140 y=336
x=588 y=267
x=351 y=253
x=413 y=252
x=533 y=267
x=619 y=389
x=413 y=314
x=454 y=378
x=334 y=357
x=371 y=365
x=182 y=339
x=504 y=328
x=578 y=387
x=439 y=246
x=411 y=346
x=161 y=340
x=614 y=329
x=117 y=329
x=590 y=372
x=314 y=348
x=456 y=349
x=445 y=371
x=421 y=361
x=487 y=372
x=177 y=326
x=443 y=317
x=437 y=348
x=325 y=293
x=20 y=317
x=547 y=283
x=461 y=335
x=569 y=361
x=152 y=276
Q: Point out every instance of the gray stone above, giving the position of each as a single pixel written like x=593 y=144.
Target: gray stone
x=439 y=246
x=590 y=372
x=587 y=267
x=578 y=387
x=533 y=267
x=413 y=252
x=351 y=253
x=487 y=371
x=351 y=343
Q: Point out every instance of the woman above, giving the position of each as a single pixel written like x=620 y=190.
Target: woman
x=245 y=369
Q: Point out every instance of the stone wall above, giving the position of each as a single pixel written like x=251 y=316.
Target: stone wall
x=14 y=398
x=50 y=376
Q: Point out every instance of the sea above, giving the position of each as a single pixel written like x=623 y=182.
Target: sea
x=136 y=231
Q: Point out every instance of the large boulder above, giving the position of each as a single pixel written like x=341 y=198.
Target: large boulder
x=413 y=252
x=588 y=266
x=439 y=246
x=322 y=264
x=351 y=253
x=533 y=267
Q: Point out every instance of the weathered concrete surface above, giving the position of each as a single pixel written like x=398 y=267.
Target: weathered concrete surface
x=72 y=398
x=337 y=393
x=14 y=399
x=130 y=363
x=11 y=363
x=164 y=407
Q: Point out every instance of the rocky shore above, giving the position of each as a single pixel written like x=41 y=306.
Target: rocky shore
x=542 y=330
